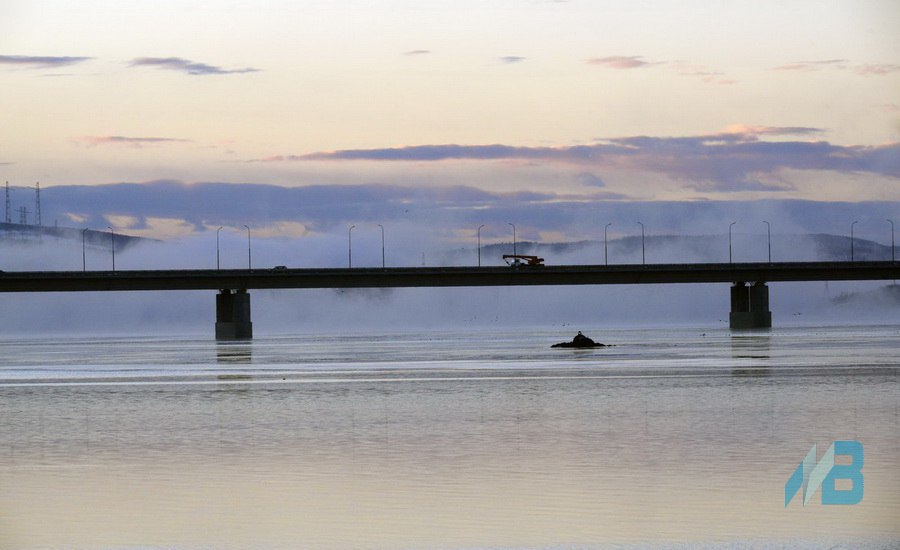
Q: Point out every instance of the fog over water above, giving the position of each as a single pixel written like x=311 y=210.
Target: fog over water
x=286 y=311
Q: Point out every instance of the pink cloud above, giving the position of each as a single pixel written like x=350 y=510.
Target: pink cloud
x=621 y=62
x=706 y=75
x=877 y=69
x=806 y=66
x=865 y=69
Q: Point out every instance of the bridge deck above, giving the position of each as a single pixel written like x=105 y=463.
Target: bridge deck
x=211 y=279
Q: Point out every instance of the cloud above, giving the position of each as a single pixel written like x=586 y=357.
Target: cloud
x=120 y=222
x=806 y=66
x=749 y=132
x=511 y=59
x=40 y=62
x=737 y=159
x=877 y=69
x=416 y=214
x=186 y=66
x=420 y=153
x=713 y=78
x=707 y=75
x=621 y=62
x=741 y=162
x=137 y=142
x=314 y=209
x=865 y=69
x=417 y=52
x=587 y=178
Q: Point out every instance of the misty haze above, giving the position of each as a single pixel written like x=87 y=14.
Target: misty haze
x=359 y=310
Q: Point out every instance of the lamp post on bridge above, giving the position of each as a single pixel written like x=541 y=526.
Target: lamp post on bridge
x=478 y=232
x=382 y=245
x=249 y=259
x=729 y=240
x=83 y=255
x=350 y=247
x=112 y=244
x=605 y=249
x=851 y=239
x=643 y=255
x=514 y=238
x=769 y=238
x=217 y=247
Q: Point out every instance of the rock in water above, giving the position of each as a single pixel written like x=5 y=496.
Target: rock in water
x=580 y=341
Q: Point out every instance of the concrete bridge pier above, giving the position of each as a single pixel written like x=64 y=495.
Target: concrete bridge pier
x=233 y=315
x=750 y=306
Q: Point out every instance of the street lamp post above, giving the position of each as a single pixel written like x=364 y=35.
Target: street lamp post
x=249 y=259
x=350 y=247
x=478 y=231
x=605 y=249
x=112 y=244
x=382 y=245
x=83 y=255
x=892 y=239
x=217 y=247
x=851 y=239
x=514 y=239
x=643 y=255
x=729 y=240
x=769 y=238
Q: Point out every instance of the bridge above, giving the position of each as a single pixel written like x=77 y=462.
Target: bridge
x=749 y=289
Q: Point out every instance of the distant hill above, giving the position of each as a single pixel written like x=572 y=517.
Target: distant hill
x=33 y=234
x=836 y=247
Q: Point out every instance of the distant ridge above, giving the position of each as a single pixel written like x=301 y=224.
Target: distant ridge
x=30 y=234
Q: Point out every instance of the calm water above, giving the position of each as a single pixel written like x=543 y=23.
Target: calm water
x=673 y=438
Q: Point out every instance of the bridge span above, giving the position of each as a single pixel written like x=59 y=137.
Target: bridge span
x=749 y=290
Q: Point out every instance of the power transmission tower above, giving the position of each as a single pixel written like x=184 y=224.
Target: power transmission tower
x=8 y=217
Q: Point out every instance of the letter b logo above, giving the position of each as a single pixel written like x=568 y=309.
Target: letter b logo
x=852 y=471
x=810 y=475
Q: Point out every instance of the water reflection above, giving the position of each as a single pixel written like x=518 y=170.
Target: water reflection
x=754 y=353
x=234 y=352
x=751 y=346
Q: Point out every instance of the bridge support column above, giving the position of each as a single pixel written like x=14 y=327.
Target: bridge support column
x=750 y=306
x=233 y=315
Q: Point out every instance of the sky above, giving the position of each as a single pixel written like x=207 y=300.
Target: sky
x=490 y=112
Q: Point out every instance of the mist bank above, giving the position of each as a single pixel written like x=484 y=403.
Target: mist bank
x=385 y=310
x=264 y=226
x=568 y=309
x=404 y=247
